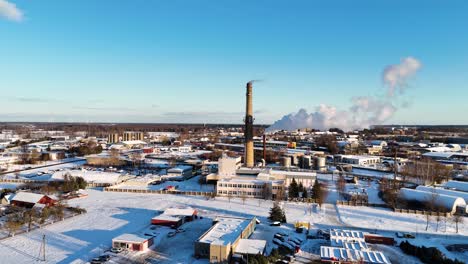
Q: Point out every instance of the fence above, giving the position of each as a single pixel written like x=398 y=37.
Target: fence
x=420 y=212
x=193 y=193
x=21 y=181
x=41 y=226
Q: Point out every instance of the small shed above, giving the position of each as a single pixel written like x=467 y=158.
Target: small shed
x=133 y=242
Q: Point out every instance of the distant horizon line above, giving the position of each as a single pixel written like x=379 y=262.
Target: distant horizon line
x=211 y=124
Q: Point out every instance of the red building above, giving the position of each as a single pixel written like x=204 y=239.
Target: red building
x=28 y=200
x=132 y=242
x=175 y=217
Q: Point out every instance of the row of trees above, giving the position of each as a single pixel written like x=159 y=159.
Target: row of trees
x=88 y=148
x=29 y=217
x=69 y=184
x=297 y=190
x=427 y=255
x=318 y=193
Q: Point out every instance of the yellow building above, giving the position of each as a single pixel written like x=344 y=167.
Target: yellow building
x=220 y=241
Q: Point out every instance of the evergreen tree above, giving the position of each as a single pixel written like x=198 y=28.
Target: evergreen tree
x=304 y=193
x=277 y=214
x=300 y=188
x=293 y=190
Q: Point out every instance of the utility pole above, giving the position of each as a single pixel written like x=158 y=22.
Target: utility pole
x=395 y=165
x=42 y=251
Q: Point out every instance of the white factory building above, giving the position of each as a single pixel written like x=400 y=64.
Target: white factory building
x=358 y=160
x=255 y=182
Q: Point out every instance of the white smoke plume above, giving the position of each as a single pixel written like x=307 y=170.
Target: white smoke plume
x=396 y=76
x=10 y=11
x=364 y=111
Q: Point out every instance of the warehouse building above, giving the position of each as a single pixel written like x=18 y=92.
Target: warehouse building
x=221 y=240
x=175 y=217
x=132 y=242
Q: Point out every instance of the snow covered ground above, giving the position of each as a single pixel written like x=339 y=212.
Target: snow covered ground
x=188 y=185
x=46 y=172
x=110 y=214
x=10 y=186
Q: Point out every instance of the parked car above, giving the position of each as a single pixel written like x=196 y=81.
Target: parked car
x=279 y=237
x=180 y=230
x=96 y=261
x=276 y=223
x=277 y=241
x=171 y=234
x=283 y=234
x=295 y=240
x=104 y=258
x=116 y=250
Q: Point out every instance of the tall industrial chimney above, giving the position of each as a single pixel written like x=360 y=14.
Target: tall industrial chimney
x=248 y=131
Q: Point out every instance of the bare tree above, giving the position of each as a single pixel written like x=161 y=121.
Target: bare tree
x=428 y=219
x=243 y=197
x=341 y=185
x=13 y=223
x=30 y=217
x=457 y=219
x=280 y=194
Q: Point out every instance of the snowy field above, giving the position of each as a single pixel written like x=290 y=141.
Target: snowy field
x=110 y=214
x=188 y=185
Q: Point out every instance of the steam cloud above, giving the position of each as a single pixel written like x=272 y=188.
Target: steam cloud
x=10 y=11
x=364 y=111
x=396 y=76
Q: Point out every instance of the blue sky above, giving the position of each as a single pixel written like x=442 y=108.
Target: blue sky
x=188 y=61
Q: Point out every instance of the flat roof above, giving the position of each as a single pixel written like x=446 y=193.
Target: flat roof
x=346 y=235
x=132 y=238
x=225 y=231
x=348 y=255
x=250 y=246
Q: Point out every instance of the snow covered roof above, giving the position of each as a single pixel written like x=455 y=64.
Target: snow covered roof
x=463 y=195
x=187 y=211
x=27 y=197
x=446 y=201
x=225 y=231
x=89 y=176
x=342 y=254
x=457 y=185
x=132 y=238
x=349 y=244
x=444 y=154
x=346 y=235
x=250 y=246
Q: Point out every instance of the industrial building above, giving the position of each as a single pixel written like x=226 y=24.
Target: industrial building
x=451 y=204
x=178 y=173
x=175 y=217
x=358 y=160
x=248 y=188
x=133 y=242
x=222 y=239
x=131 y=135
